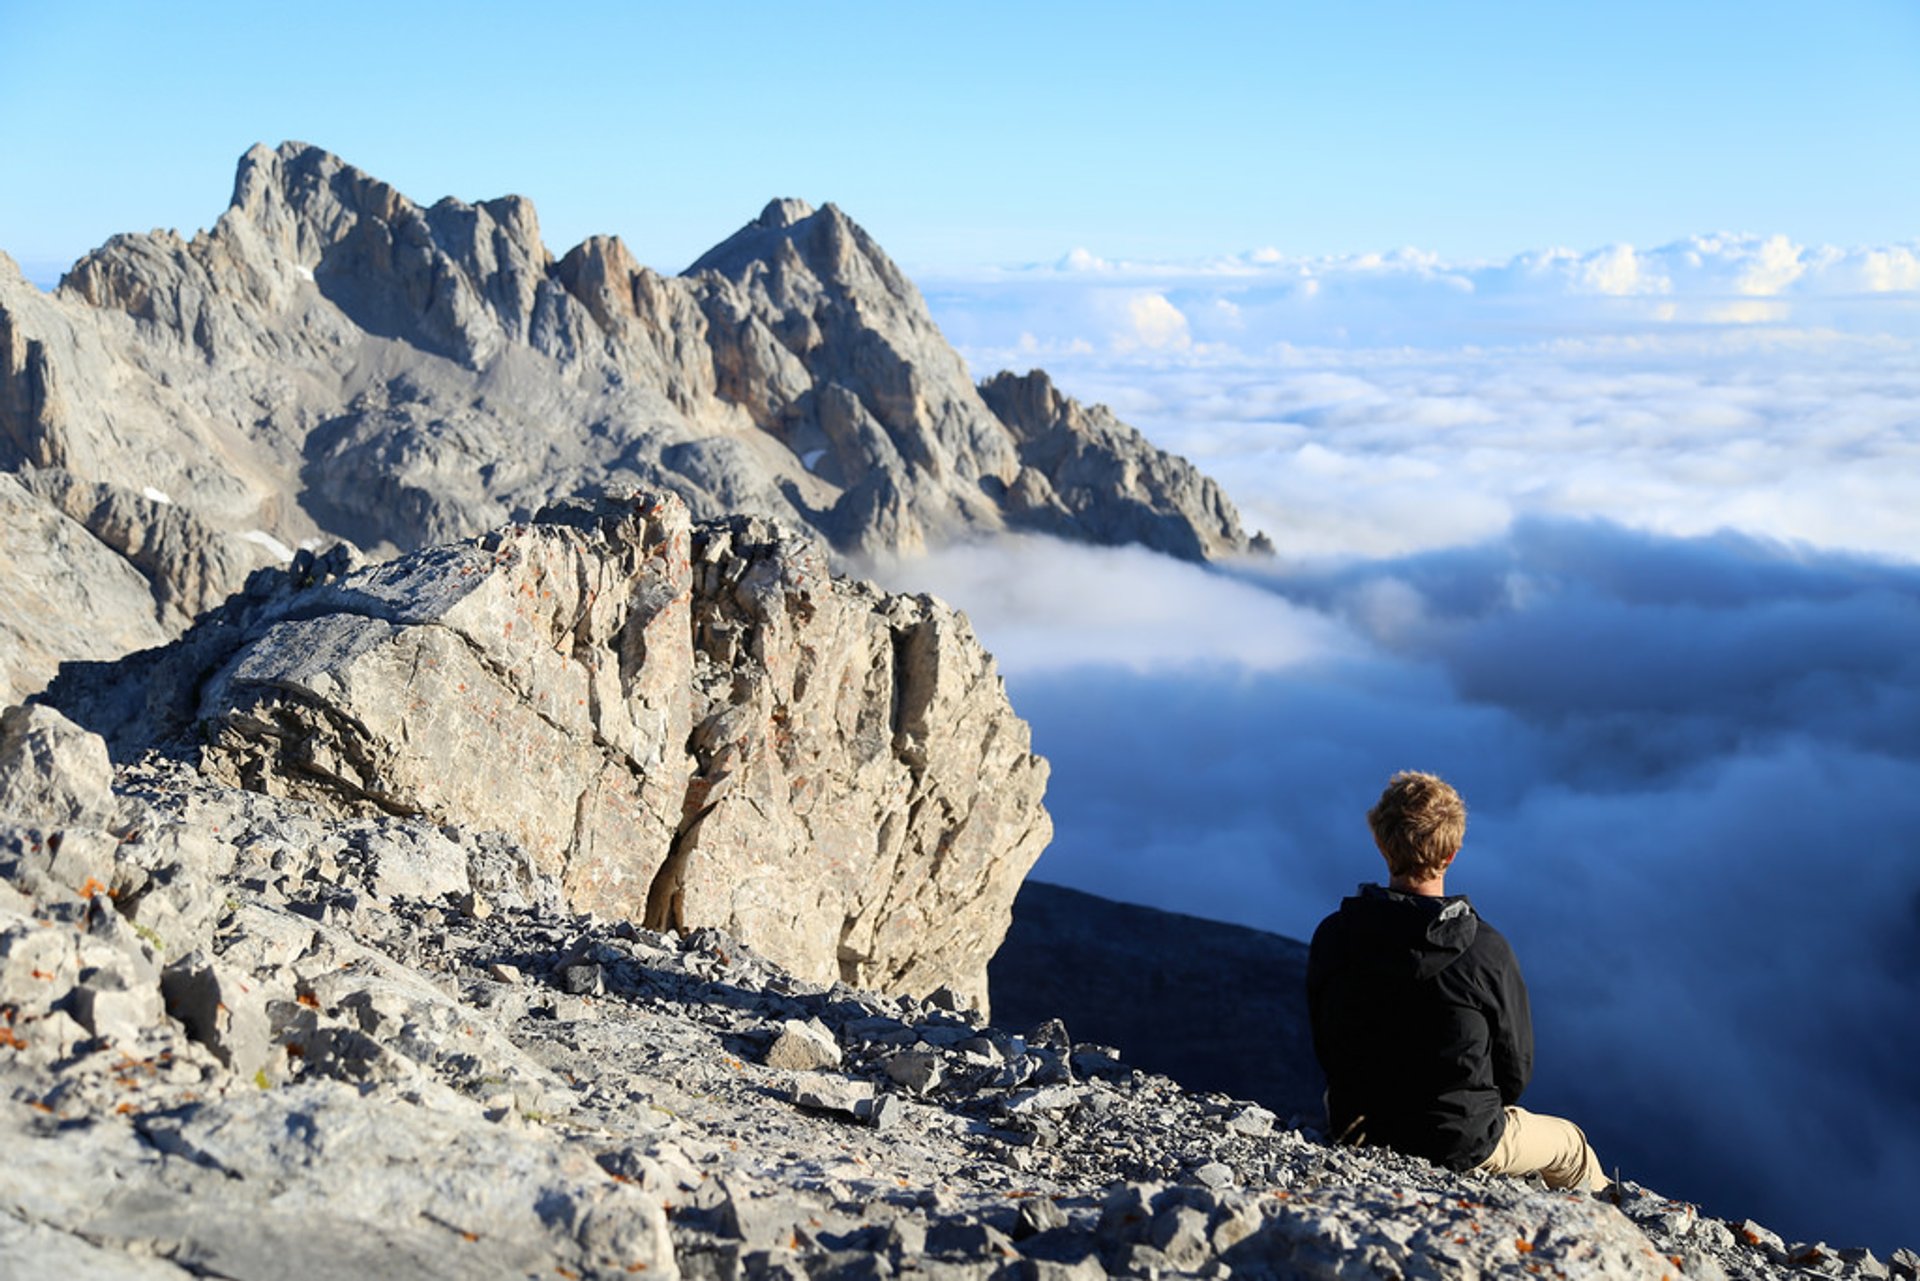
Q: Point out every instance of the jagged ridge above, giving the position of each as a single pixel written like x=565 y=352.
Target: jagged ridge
x=334 y=360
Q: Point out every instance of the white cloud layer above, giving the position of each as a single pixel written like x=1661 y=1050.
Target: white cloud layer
x=1626 y=543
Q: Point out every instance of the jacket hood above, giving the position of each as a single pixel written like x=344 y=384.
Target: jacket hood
x=1415 y=933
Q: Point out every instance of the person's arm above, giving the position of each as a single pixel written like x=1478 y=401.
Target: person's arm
x=1511 y=1028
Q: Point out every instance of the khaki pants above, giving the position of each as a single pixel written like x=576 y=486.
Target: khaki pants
x=1556 y=1150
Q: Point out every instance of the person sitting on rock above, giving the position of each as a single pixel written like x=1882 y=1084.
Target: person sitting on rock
x=1419 y=1015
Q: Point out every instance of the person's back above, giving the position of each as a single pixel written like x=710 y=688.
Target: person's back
x=1420 y=1016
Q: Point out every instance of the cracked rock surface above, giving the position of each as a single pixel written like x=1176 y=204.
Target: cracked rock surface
x=244 y=1036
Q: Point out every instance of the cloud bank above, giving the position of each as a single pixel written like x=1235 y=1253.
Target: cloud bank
x=1623 y=543
x=1693 y=769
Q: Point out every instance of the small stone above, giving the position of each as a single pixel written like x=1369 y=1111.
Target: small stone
x=885 y=1112
x=1751 y=1233
x=980 y=1051
x=1052 y=1034
x=501 y=972
x=1039 y=1214
x=1904 y=1264
x=964 y=1240
x=51 y=770
x=1862 y=1263
x=1253 y=1122
x=221 y=1010
x=945 y=998
x=832 y=1093
x=109 y=1008
x=586 y=979
x=1214 y=1174
x=918 y=1070
x=1049 y=1098
x=803 y=1047
x=1180 y=1232
x=1097 y=1060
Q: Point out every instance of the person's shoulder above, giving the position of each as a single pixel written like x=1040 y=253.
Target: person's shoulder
x=1490 y=947
x=1330 y=924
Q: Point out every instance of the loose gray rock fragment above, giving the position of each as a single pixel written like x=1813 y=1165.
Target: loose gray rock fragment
x=221 y=1010
x=1214 y=1174
x=803 y=1047
x=918 y=1070
x=111 y=1007
x=831 y=1093
x=884 y=1112
x=586 y=979
x=1254 y=1122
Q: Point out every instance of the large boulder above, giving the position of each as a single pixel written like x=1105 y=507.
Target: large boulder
x=686 y=724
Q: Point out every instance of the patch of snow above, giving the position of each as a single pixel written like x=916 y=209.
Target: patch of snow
x=154 y=495
x=812 y=458
x=268 y=541
x=305 y=273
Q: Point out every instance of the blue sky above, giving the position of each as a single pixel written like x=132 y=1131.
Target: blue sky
x=994 y=133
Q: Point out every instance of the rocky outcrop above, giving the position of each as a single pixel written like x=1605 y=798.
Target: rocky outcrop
x=333 y=361
x=243 y=1037
x=1086 y=475
x=694 y=725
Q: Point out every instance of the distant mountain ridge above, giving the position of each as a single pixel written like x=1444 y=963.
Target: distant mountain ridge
x=333 y=361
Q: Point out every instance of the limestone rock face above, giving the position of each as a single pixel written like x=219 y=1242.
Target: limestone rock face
x=690 y=724
x=333 y=361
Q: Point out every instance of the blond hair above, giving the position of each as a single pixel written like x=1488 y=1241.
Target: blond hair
x=1418 y=823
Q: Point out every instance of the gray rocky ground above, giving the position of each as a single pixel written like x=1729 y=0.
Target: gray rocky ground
x=334 y=361
x=247 y=1038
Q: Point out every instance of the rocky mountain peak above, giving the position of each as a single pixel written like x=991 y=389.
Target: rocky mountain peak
x=783 y=212
x=334 y=360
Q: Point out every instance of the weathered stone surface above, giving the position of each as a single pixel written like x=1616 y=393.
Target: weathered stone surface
x=51 y=771
x=687 y=725
x=332 y=360
x=318 y=1181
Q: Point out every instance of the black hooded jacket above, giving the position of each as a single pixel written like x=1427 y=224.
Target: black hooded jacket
x=1421 y=1024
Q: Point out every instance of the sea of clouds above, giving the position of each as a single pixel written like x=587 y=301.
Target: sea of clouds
x=1627 y=545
